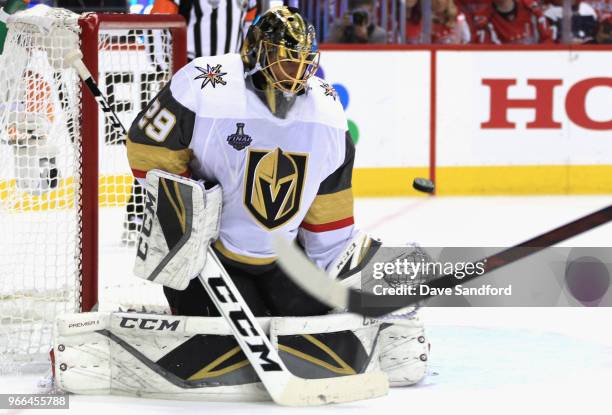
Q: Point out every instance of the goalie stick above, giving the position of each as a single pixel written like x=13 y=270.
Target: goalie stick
x=330 y=291
x=283 y=387
x=75 y=58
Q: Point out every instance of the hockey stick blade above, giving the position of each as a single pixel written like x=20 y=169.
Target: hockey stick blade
x=314 y=392
x=328 y=290
x=284 y=387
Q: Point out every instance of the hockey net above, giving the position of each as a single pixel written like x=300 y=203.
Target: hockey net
x=69 y=206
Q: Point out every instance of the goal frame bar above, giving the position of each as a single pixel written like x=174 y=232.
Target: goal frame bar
x=91 y=24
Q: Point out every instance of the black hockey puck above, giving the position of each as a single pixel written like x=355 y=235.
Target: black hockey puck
x=423 y=185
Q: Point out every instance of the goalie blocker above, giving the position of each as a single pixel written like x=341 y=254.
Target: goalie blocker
x=181 y=218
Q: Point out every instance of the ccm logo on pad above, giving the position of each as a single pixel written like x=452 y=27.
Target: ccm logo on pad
x=148 y=323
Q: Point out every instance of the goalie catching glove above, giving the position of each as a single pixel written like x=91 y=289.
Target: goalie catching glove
x=181 y=218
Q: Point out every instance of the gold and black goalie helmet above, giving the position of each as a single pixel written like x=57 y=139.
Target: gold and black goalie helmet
x=282 y=46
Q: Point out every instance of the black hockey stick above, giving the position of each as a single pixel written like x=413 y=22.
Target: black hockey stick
x=75 y=58
x=330 y=291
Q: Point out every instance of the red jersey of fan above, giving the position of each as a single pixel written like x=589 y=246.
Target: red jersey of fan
x=459 y=33
x=525 y=24
x=477 y=14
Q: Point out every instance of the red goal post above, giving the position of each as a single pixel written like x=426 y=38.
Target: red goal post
x=67 y=196
x=91 y=24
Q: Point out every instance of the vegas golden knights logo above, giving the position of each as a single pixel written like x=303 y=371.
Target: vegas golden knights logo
x=273 y=185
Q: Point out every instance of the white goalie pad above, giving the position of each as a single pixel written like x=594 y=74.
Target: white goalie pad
x=153 y=356
x=333 y=345
x=404 y=349
x=197 y=358
x=181 y=219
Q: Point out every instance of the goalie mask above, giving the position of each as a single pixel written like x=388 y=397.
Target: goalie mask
x=280 y=52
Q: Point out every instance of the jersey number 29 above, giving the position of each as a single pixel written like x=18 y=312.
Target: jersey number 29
x=157 y=122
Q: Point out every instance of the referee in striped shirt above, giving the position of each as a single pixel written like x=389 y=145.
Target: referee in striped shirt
x=214 y=27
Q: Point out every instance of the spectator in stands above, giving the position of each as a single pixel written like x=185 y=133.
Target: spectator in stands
x=584 y=21
x=604 y=34
x=519 y=22
x=477 y=14
x=449 y=25
x=603 y=9
x=414 y=31
x=357 y=25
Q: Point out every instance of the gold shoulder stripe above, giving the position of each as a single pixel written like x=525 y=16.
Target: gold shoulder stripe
x=144 y=158
x=330 y=208
x=243 y=259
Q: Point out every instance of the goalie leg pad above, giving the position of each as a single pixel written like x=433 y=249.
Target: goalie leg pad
x=404 y=349
x=181 y=218
x=155 y=356
x=197 y=358
x=326 y=346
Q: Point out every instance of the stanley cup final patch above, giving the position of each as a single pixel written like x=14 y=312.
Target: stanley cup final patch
x=273 y=186
x=239 y=140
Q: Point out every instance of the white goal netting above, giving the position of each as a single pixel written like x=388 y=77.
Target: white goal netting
x=43 y=130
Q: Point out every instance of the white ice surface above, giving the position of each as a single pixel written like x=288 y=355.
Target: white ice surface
x=483 y=360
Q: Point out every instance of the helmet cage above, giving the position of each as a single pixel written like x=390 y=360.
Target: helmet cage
x=285 y=68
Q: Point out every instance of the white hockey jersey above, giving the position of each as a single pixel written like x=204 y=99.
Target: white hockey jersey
x=290 y=176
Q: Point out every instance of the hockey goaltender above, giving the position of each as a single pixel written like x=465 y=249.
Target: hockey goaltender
x=233 y=149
